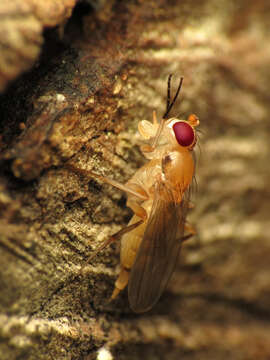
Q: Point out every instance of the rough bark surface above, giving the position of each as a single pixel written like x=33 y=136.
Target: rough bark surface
x=80 y=106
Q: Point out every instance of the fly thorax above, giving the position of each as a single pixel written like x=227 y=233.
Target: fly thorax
x=178 y=168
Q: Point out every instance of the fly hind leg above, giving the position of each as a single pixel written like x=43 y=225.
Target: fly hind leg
x=129 y=247
x=115 y=237
x=190 y=232
x=120 y=283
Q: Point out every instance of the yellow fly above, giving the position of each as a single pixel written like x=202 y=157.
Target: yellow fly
x=158 y=193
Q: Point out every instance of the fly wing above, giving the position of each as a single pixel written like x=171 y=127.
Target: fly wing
x=158 y=252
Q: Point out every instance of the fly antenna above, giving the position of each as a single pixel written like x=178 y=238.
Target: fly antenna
x=169 y=103
x=168 y=94
x=168 y=108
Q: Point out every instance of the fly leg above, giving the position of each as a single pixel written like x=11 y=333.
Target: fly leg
x=123 y=276
x=155 y=121
x=134 y=190
x=152 y=131
x=190 y=232
x=128 y=256
x=137 y=195
x=122 y=279
x=115 y=237
x=120 y=283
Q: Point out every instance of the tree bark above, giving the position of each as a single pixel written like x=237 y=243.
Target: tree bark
x=97 y=77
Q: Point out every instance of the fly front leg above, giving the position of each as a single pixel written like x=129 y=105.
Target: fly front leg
x=147 y=129
x=136 y=194
x=151 y=131
x=134 y=190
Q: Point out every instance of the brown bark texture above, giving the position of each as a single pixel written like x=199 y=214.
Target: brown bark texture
x=100 y=73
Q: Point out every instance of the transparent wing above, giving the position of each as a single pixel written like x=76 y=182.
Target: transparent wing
x=159 y=249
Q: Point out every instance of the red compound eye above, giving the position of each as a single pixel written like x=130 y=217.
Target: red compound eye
x=184 y=133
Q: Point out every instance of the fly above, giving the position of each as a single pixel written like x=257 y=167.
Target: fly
x=158 y=194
